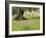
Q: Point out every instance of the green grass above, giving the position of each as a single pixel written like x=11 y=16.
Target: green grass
x=32 y=17
x=34 y=25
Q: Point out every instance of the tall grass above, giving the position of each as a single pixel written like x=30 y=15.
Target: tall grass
x=34 y=25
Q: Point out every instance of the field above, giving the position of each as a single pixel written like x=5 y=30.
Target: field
x=32 y=24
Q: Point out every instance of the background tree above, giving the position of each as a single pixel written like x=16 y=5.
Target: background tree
x=20 y=15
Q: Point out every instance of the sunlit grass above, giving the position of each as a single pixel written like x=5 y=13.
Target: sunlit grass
x=34 y=25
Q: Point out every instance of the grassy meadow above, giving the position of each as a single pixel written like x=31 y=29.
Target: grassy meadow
x=20 y=25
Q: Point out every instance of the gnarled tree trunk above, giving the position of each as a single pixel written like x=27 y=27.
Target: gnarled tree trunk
x=20 y=15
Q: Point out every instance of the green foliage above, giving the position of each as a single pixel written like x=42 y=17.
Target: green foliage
x=32 y=17
x=34 y=25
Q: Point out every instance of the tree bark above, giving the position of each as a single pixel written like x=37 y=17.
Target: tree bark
x=20 y=16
